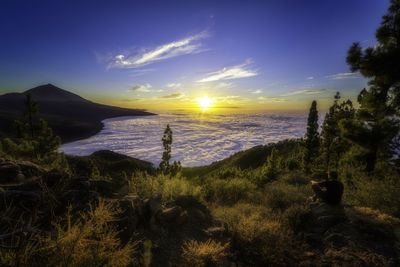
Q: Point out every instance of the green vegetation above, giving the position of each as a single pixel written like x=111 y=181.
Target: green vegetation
x=250 y=209
x=165 y=166
x=311 y=139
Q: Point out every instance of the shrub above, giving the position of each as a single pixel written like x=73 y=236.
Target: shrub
x=296 y=218
x=293 y=164
x=228 y=173
x=382 y=194
x=229 y=190
x=208 y=253
x=279 y=196
x=258 y=237
x=169 y=188
x=295 y=178
x=91 y=241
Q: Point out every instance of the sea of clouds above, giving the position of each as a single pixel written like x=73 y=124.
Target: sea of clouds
x=198 y=139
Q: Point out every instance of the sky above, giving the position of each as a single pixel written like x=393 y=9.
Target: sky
x=230 y=56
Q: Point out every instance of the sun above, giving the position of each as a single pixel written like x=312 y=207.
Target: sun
x=205 y=102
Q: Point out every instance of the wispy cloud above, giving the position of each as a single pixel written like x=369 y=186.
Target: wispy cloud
x=344 y=76
x=228 y=73
x=132 y=99
x=257 y=91
x=173 y=96
x=139 y=72
x=185 y=46
x=267 y=99
x=310 y=78
x=304 y=92
x=142 y=88
x=174 y=85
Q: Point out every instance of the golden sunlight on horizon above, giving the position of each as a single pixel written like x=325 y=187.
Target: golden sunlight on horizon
x=205 y=103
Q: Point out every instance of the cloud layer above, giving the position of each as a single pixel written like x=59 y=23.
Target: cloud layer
x=197 y=141
x=188 y=45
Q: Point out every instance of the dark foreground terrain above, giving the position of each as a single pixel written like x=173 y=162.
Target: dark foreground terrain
x=70 y=116
x=112 y=210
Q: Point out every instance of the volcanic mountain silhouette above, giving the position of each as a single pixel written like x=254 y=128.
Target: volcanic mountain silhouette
x=71 y=116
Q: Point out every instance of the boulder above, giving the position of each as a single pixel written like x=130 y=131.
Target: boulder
x=131 y=215
x=10 y=173
x=169 y=215
x=323 y=209
x=32 y=184
x=25 y=199
x=327 y=216
x=103 y=187
x=80 y=183
x=30 y=169
x=335 y=239
x=152 y=206
x=79 y=199
x=53 y=178
x=173 y=216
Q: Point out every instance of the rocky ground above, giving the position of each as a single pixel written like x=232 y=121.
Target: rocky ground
x=30 y=196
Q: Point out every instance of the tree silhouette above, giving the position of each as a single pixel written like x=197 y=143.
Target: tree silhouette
x=35 y=131
x=311 y=139
x=376 y=123
x=166 y=155
x=30 y=112
x=332 y=143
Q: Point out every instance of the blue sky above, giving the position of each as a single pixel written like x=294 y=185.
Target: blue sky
x=167 y=54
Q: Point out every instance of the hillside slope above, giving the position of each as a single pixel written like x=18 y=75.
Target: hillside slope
x=247 y=159
x=71 y=116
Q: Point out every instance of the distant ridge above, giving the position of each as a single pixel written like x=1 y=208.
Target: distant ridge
x=71 y=116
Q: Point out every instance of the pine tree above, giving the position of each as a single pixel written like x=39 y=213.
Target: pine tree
x=271 y=170
x=332 y=143
x=34 y=132
x=376 y=123
x=47 y=142
x=166 y=155
x=311 y=139
x=26 y=126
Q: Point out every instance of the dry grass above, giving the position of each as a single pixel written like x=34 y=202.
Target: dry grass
x=208 y=253
x=91 y=240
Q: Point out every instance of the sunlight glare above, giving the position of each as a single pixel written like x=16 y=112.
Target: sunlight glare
x=205 y=102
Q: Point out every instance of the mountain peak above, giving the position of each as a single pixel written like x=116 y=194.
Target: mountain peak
x=50 y=92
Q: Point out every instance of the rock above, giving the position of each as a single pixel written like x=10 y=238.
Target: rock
x=323 y=209
x=152 y=206
x=169 y=215
x=336 y=240
x=79 y=199
x=53 y=178
x=313 y=239
x=81 y=183
x=32 y=184
x=103 y=187
x=131 y=215
x=10 y=173
x=329 y=221
x=327 y=216
x=30 y=169
x=20 y=198
x=216 y=231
